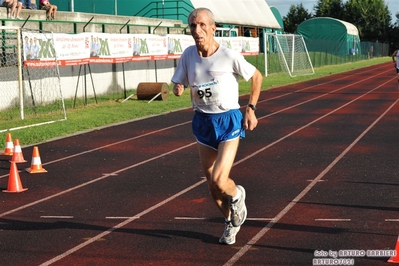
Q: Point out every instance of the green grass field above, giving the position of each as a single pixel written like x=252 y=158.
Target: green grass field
x=110 y=110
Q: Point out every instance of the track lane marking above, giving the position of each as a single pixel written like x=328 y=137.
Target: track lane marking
x=95 y=180
x=120 y=217
x=124 y=169
x=263 y=231
x=207 y=218
x=184 y=123
x=56 y=217
x=332 y=220
x=120 y=225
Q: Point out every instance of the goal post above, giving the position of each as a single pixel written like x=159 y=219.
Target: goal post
x=30 y=92
x=291 y=53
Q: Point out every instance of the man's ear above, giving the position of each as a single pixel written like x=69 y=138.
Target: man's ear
x=214 y=28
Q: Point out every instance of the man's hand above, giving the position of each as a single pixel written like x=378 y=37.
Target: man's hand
x=250 y=120
x=178 y=89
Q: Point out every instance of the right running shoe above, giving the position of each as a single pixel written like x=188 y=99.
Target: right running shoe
x=238 y=209
x=229 y=234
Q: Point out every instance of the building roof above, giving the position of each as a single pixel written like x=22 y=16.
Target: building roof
x=252 y=13
x=321 y=21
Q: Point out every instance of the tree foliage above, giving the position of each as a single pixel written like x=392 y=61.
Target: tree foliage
x=295 y=16
x=329 y=8
x=371 y=17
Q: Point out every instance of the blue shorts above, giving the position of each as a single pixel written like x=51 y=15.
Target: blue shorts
x=211 y=129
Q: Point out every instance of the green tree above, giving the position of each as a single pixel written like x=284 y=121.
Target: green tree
x=371 y=17
x=394 y=35
x=295 y=16
x=329 y=8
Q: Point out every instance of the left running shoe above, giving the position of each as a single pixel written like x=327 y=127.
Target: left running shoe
x=229 y=234
x=238 y=209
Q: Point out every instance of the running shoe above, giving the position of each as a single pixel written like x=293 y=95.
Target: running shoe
x=229 y=234
x=238 y=209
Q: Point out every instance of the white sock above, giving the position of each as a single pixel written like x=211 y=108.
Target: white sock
x=238 y=195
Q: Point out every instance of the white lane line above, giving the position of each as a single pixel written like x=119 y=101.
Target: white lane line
x=143 y=162
x=56 y=217
x=332 y=220
x=120 y=225
x=110 y=145
x=121 y=217
x=184 y=123
x=391 y=220
x=96 y=180
x=259 y=235
x=207 y=218
x=191 y=218
x=324 y=94
x=260 y=219
x=263 y=231
x=159 y=156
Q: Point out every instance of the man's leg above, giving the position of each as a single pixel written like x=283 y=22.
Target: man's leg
x=216 y=166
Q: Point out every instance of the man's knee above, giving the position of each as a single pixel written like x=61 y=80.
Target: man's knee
x=219 y=184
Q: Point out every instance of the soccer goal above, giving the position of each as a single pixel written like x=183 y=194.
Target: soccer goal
x=30 y=93
x=290 y=51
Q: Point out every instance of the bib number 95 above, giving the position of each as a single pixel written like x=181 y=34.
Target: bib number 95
x=204 y=93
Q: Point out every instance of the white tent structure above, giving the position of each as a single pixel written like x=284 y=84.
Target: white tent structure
x=254 y=13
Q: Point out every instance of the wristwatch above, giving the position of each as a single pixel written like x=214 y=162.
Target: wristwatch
x=253 y=107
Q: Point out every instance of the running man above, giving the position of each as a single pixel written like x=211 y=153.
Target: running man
x=395 y=59
x=211 y=71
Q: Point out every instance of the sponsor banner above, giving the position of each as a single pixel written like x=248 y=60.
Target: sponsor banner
x=149 y=44
x=244 y=45
x=177 y=43
x=250 y=46
x=106 y=48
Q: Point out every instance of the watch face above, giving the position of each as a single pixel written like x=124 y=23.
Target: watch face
x=253 y=107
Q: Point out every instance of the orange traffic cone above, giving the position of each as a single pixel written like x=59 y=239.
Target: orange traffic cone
x=14 y=182
x=395 y=258
x=17 y=156
x=36 y=164
x=9 y=146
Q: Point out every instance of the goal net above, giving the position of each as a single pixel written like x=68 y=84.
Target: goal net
x=291 y=52
x=30 y=92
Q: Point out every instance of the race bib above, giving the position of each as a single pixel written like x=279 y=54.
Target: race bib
x=207 y=93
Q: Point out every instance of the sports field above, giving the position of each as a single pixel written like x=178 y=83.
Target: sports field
x=320 y=170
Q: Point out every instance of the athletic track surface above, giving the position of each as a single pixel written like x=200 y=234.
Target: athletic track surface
x=320 y=170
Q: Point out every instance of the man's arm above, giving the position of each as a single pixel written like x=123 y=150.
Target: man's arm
x=250 y=120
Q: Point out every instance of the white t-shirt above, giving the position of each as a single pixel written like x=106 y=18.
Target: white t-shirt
x=213 y=80
x=397 y=59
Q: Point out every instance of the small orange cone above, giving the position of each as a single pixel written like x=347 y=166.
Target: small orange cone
x=14 y=182
x=36 y=164
x=395 y=258
x=9 y=146
x=17 y=156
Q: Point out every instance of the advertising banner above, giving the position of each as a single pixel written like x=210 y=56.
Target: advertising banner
x=41 y=50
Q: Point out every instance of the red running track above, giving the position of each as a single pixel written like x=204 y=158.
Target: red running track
x=321 y=174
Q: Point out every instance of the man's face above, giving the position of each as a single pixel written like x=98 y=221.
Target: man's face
x=201 y=30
